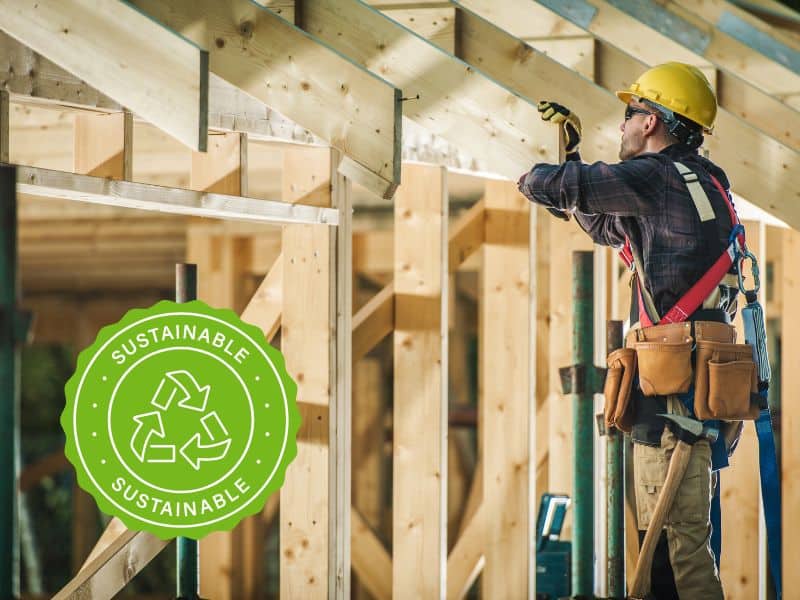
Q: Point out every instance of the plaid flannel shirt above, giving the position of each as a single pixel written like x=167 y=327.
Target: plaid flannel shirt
x=645 y=199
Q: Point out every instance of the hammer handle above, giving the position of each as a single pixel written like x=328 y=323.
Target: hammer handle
x=640 y=584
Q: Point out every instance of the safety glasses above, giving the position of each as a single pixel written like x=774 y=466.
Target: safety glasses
x=632 y=110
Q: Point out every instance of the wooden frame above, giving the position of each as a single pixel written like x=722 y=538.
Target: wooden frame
x=269 y=58
x=142 y=65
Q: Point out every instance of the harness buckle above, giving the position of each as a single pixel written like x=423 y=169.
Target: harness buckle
x=744 y=255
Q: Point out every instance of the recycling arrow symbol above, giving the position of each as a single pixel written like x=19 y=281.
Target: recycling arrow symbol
x=190 y=396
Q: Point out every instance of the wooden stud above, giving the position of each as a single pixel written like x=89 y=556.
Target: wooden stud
x=790 y=411
x=267 y=57
x=305 y=342
x=367 y=455
x=103 y=144
x=420 y=384
x=5 y=115
x=505 y=391
x=501 y=130
x=146 y=67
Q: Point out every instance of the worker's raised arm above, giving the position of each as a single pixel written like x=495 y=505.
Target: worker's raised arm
x=630 y=188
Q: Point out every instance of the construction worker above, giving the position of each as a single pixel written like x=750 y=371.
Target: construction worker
x=645 y=200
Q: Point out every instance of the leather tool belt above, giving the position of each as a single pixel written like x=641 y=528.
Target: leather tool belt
x=670 y=358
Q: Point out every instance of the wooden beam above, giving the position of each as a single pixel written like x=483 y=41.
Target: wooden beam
x=305 y=343
x=747 y=82
x=369 y=477
x=790 y=411
x=44 y=183
x=513 y=62
x=373 y=322
x=142 y=65
x=458 y=102
x=420 y=384
x=264 y=308
x=467 y=235
x=104 y=145
x=371 y=562
x=114 y=567
x=5 y=115
x=467 y=557
x=506 y=392
x=266 y=56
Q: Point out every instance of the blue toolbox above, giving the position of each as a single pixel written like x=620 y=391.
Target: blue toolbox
x=553 y=557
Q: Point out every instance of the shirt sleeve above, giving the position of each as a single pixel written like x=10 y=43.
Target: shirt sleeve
x=605 y=230
x=634 y=187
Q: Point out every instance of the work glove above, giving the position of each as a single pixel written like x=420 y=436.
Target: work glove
x=570 y=125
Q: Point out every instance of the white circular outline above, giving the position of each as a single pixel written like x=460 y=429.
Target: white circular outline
x=285 y=428
x=231 y=470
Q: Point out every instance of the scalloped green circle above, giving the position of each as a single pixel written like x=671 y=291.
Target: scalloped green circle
x=180 y=419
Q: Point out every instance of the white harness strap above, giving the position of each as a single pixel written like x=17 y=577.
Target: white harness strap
x=699 y=197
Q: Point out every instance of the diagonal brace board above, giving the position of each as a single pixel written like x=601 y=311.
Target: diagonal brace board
x=289 y=70
x=457 y=101
x=144 y=66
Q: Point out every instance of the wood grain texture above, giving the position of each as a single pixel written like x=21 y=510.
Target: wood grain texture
x=269 y=58
x=420 y=384
x=142 y=65
x=505 y=394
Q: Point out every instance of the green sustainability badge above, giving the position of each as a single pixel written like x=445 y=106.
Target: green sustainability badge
x=180 y=419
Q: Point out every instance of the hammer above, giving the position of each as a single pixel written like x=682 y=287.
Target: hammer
x=689 y=431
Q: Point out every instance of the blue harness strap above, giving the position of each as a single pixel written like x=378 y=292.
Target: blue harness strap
x=770 y=493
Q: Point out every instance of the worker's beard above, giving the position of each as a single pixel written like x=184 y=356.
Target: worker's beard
x=628 y=147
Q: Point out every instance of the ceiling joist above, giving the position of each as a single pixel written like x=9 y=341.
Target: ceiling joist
x=447 y=97
x=142 y=65
x=767 y=174
x=269 y=58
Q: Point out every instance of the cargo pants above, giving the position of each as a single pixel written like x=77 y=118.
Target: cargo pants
x=688 y=525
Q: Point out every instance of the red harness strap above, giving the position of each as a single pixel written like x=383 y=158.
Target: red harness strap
x=693 y=299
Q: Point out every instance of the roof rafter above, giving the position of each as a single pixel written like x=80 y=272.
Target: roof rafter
x=639 y=32
x=768 y=175
x=141 y=64
x=266 y=56
x=456 y=101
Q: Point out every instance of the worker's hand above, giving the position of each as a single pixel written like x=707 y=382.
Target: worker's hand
x=569 y=121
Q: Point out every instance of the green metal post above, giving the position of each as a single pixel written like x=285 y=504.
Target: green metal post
x=9 y=385
x=188 y=560
x=583 y=424
x=615 y=480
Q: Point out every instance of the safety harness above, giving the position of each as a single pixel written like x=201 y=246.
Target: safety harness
x=735 y=253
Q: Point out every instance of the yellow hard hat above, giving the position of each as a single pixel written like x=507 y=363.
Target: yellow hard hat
x=681 y=88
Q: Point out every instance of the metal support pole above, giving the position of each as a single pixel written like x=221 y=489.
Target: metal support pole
x=615 y=480
x=188 y=560
x=583 y=424
x=9 y=385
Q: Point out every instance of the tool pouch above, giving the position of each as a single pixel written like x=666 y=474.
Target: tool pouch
x=664 y=358
x=725 y=381
x=617 y=390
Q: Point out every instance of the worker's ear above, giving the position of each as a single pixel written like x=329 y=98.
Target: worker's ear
x=650 y=125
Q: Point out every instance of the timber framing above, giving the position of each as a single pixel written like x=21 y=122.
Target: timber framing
x=45 y=183
x=266 y=56
x=773 y=185
x=448 y=97
x=141 y=64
